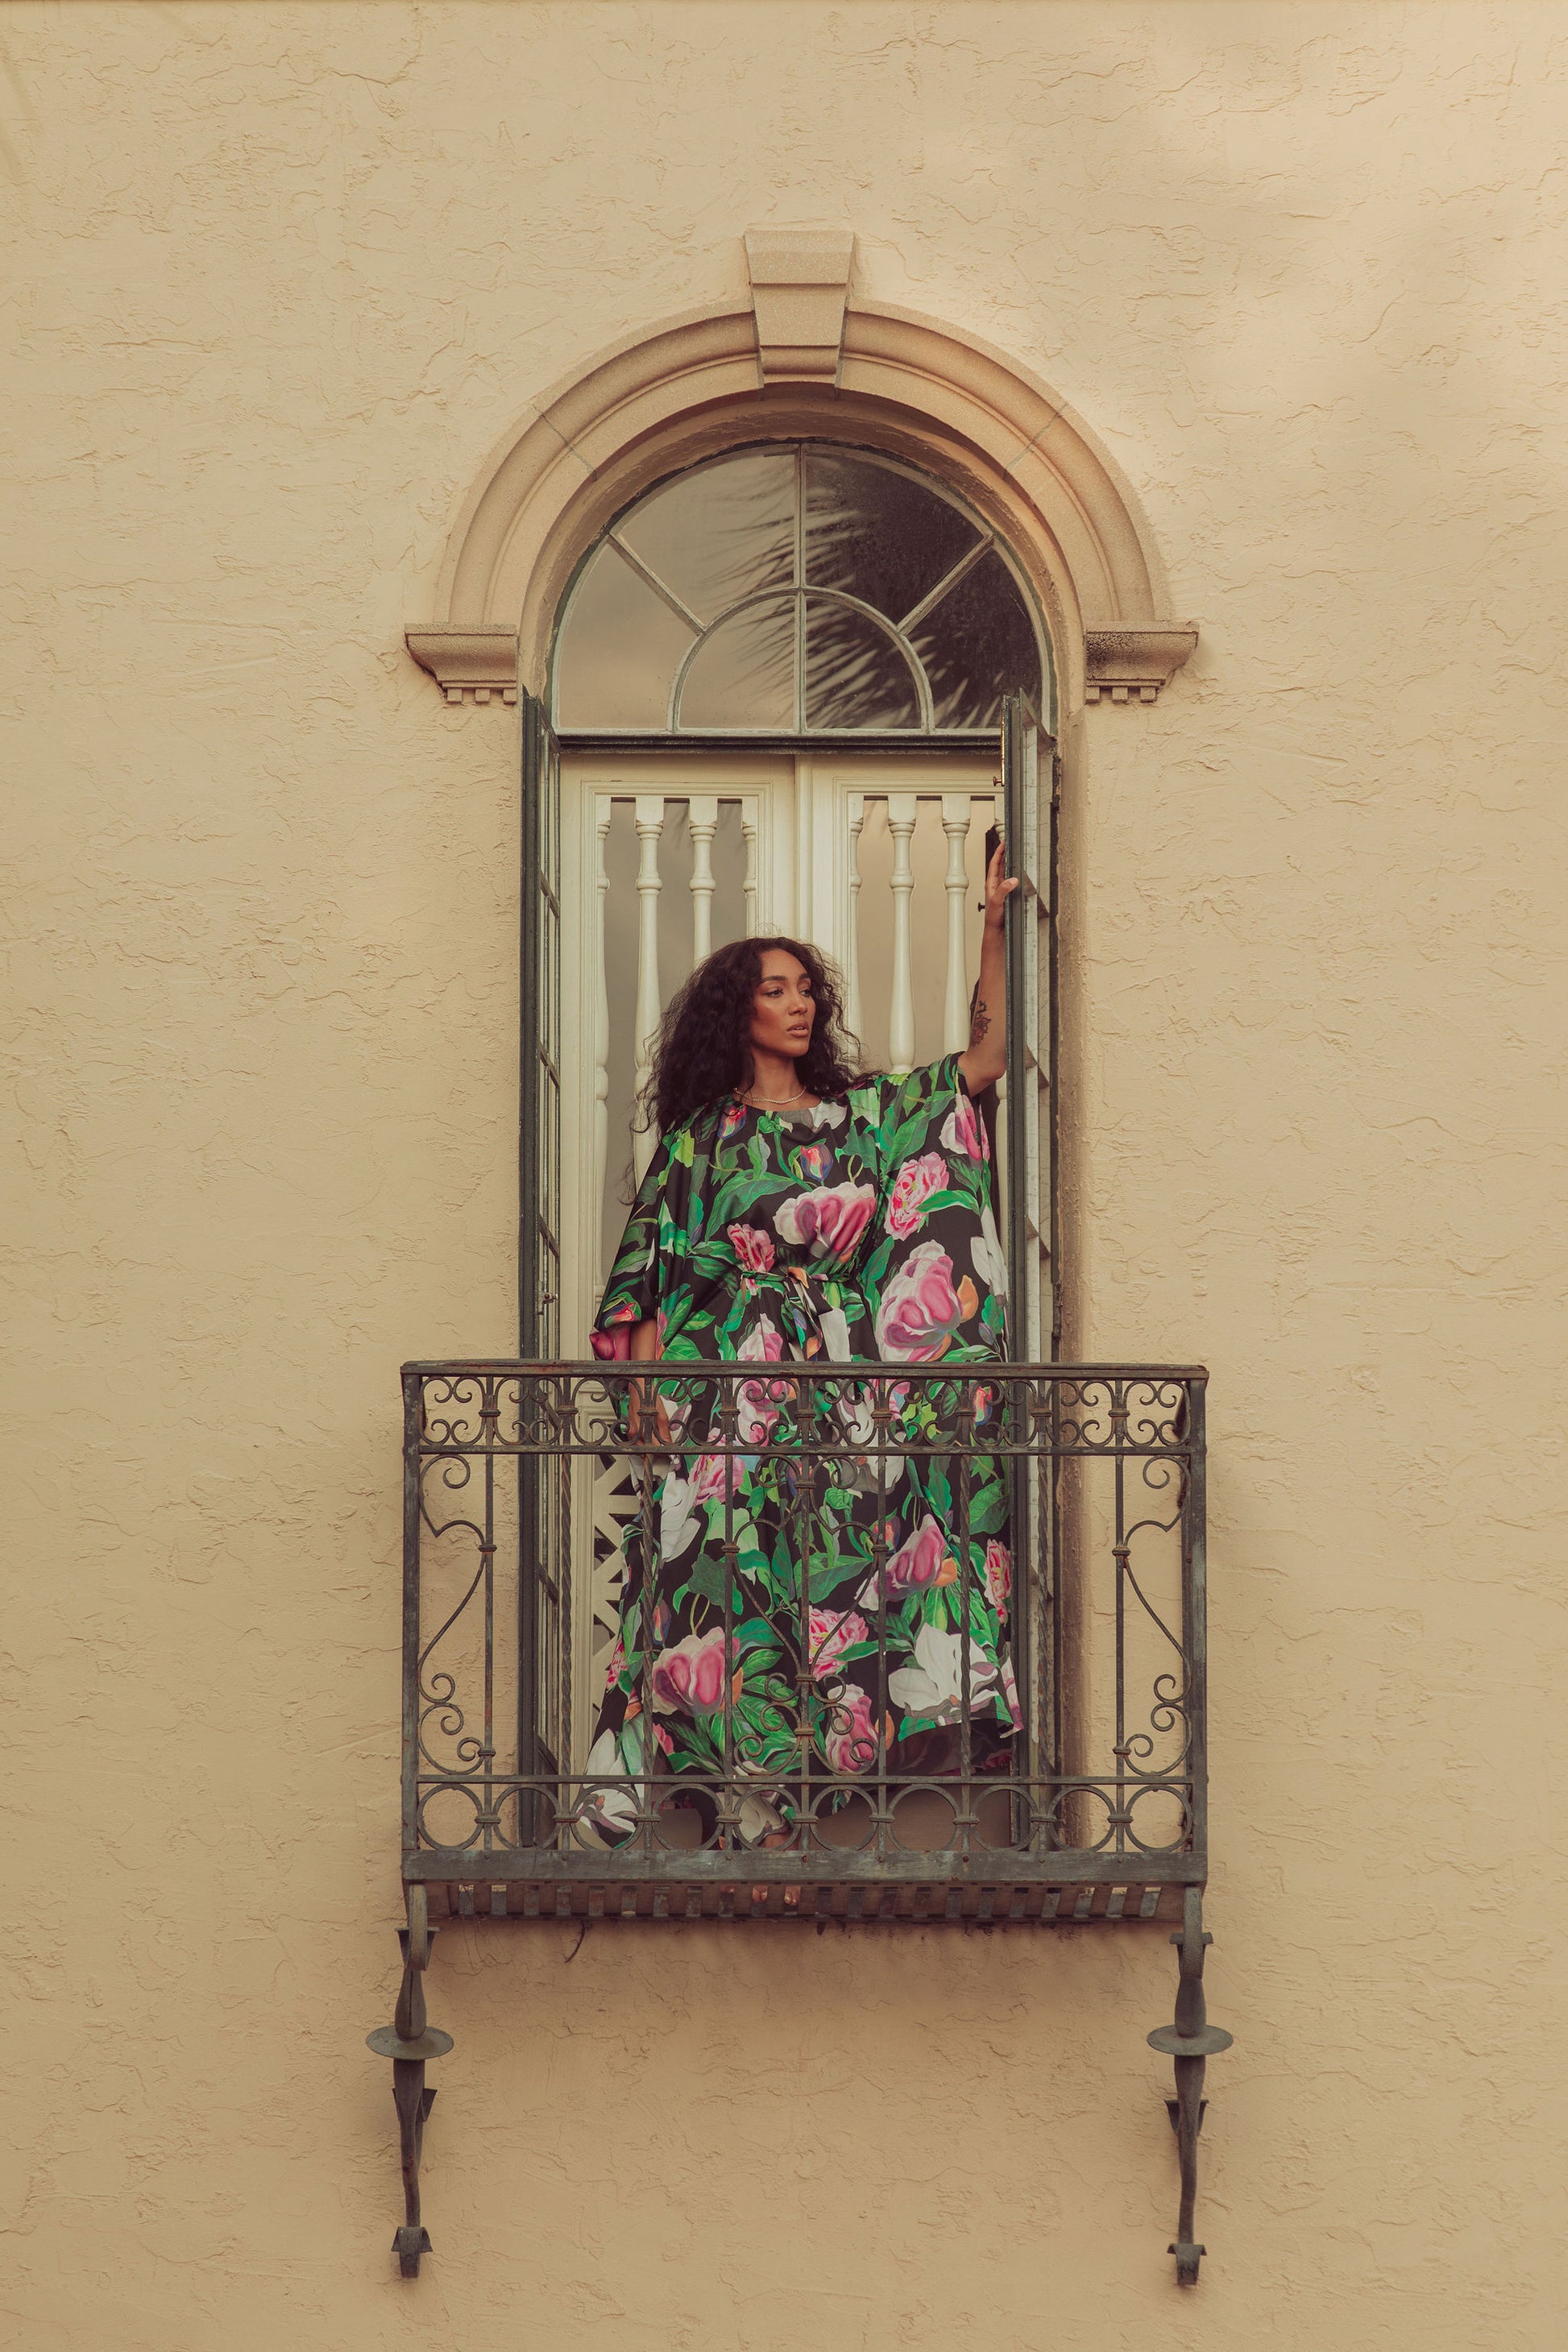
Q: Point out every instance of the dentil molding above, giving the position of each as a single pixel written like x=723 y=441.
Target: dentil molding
x=469 y=665
x=1132 y=664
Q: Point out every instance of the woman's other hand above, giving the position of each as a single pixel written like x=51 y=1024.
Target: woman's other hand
x=644 y=1351
x=986 y=1057
x=999 y=889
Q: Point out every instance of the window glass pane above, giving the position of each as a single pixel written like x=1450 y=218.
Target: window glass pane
x=620 y=649
x=885 y=539
x=854 y=674
x=743 y=675
x=726 y=532
x=978 y=645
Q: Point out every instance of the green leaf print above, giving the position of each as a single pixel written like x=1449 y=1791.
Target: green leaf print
x=988 y=1510
x=817 y=1296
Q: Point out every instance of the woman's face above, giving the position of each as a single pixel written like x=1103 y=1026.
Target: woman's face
x=782 y=1010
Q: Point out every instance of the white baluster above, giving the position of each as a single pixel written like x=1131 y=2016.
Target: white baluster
x=903 y=809
x=601 y=1038
x=703 y=817
x=955 y=815
x=852 y=944
x=650 y=825
x=749 y=834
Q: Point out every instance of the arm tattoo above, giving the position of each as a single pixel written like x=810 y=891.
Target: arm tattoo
x=980 y=1020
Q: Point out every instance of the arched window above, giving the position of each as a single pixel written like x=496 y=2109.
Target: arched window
x=797 y=589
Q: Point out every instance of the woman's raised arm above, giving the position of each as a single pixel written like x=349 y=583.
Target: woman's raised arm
x=986 y=1056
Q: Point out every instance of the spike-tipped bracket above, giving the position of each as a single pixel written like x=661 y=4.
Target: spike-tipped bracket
x=1192 y=2041
x=409 y=2042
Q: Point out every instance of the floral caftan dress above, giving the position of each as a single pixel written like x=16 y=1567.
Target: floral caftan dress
x=786 y=1626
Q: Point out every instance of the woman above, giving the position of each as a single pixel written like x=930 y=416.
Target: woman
x=785 y=1617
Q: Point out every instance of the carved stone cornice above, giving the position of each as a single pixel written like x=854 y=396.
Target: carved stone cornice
x=472 y=665
x=1132 y=664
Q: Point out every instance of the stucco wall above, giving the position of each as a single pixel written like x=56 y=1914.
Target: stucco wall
x=279 y=277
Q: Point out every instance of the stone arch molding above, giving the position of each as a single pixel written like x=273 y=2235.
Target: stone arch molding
x=803 y=354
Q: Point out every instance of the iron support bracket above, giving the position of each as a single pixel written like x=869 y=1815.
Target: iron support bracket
x=409 y=2042
x=1192 y=2041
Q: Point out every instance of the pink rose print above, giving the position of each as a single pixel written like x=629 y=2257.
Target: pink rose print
x=761 y=1345
x=829 y=1222
x=963 y=1131
x=998 y=1573
x=913 y=1185
x=919 y=1564
x=709 y=1478
x=849 y=1735
x=752 y=1247
x=921 y=1311
x=693 y=1677
x=829 y=1634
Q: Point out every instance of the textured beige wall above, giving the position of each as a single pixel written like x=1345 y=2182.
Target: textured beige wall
x=277 y=277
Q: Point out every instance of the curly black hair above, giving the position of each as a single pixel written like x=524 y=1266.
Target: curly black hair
x=703 y=1048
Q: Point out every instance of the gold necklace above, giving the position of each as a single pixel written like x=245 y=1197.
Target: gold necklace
x=774 y=1102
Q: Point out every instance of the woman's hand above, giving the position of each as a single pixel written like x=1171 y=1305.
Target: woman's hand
x=986 y=1057
x=999 y=889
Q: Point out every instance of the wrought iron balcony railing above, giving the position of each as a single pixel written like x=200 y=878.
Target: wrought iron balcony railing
x=1099 y=1813
x=518 y=1482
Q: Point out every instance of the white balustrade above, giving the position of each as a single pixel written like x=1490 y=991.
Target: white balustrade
x=956 y=810
x=650 y=826
x=703 y=816
x=917 y=864
x=749 y=831
x=903 y=808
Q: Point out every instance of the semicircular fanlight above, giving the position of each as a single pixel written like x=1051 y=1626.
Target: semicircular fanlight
x=800 y=589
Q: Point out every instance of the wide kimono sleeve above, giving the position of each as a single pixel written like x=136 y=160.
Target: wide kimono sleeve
x=648 y=1278
x=936 y=1279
